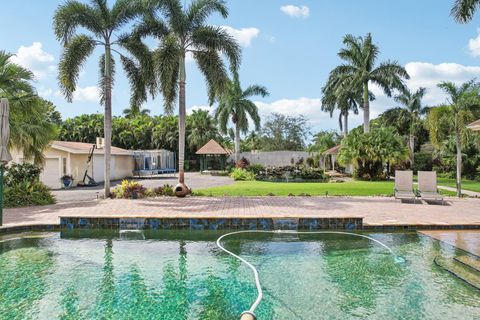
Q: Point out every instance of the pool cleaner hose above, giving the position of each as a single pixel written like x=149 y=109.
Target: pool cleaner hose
x=249 y=314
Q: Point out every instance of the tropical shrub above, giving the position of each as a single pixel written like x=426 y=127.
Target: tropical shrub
x=27 y=193
x=370 y=152
x=256 y=168
x=423 y=161
x=291 y=174
x=17 y=172
x=129 y=190
x=240 y=174
x=166 y=190
x=23 y=188
x=242 y=163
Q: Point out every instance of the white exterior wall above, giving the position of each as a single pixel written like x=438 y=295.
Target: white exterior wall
x=121 y=166
x=273 y=158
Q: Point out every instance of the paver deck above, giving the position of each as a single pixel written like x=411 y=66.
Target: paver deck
x=376 y=211
x=466 y=240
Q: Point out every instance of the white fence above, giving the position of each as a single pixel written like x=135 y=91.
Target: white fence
x=273 y=158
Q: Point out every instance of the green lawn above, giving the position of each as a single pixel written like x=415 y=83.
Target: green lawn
x=259 y=188
x=466 y=184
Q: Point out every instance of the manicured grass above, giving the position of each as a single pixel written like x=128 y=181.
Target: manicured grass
x=466 y=184
x=260 y=188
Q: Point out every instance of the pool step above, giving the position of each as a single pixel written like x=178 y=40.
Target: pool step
x=459 y=270
x=470 y=262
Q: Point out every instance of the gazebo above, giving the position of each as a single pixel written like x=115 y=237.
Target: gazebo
x=212 y=156
x=475 y=126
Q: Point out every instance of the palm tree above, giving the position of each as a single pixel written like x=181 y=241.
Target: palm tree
x=461 y=99
x=412 y=102
x=235 y=104
x=360 y=54
x=186 y=32
x=30 y=128
x=135 y=111
x=337 y=96
x=202 y=128
x=104 y=24
x=463 y=10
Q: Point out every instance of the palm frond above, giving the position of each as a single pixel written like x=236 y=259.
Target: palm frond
x=167 y=65
x=464 y=10
x=73 y=15
x=73 y=57
x=209 y=38
x=212 y=67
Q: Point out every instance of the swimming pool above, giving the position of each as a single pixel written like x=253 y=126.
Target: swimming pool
x=91 y=274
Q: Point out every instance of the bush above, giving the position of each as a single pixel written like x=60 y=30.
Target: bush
x=166 y=190
x=312 y=174
x=242 y=163
x=27 y=193
x=256 y=168
x=239 y=174
x=310 y=162
x=423 y=161
x=291 y=174
x=129 y=190
x=25 y=172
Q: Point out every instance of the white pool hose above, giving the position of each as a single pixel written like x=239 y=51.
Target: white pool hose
x=249 y=314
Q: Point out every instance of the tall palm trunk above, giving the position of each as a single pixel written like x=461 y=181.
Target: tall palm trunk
x=458 y=143
x=411 y=144
x=366 y=109
x=107 y=123
x=181 y=122
x=237 y=142
x=345 y=124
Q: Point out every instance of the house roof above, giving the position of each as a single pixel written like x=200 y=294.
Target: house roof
x=475 y=126
x=84 y=148
x=212 y=147
x=333 y=150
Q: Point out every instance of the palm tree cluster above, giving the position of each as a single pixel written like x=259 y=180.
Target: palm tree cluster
x=348 y=85
x=235 y=104
x=179 y=31
x=30 y=132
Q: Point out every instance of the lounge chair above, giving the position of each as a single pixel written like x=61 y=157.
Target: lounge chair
x=404 y=185
x=427 y=186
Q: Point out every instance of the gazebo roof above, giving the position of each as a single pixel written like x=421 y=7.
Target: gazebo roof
x=333 y=150
x=475 y=126
x=212 y=147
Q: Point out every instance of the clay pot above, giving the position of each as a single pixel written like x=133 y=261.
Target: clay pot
x=181 y=190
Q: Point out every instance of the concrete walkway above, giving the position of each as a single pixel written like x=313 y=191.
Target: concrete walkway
x=376 y=211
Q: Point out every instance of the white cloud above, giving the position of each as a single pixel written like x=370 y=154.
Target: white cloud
x=35 y=59
x=296 y=12
x=244 y=36
x=427 y=75
x=87 y=94
x=308 y=107
x=474 y=45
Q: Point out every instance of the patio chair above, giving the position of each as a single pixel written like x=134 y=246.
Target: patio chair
x=427 y=186
x=404 y=185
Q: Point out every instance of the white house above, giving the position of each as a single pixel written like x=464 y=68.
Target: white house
x=70 y=158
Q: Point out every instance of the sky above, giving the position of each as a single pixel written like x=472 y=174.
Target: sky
x=288 y=46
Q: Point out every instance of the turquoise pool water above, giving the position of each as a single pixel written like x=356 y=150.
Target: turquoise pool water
x=183 y=275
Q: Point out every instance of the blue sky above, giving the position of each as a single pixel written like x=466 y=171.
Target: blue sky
x=288 y=46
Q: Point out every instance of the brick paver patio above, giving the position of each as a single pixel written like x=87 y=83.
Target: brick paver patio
x=374 y=210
